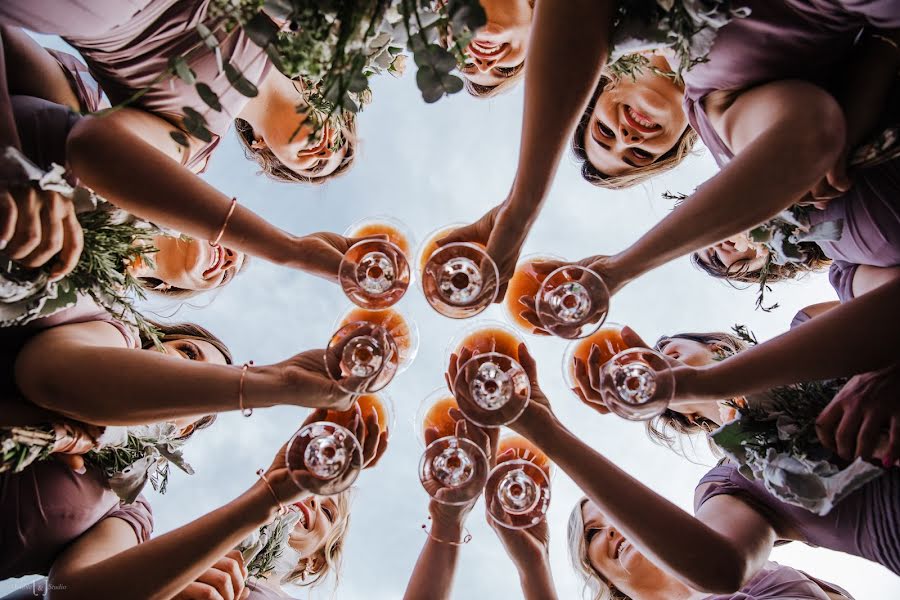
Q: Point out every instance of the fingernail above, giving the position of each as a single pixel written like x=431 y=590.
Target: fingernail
x=3 y=244
x=81 y=470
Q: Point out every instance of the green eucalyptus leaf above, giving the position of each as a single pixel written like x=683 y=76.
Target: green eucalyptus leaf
x=432 y=95
x=181 y=68
x=179 y=138
x=348 y=104
x=466 y=14
x=261 y=30
x=198 y=130
x=761 y=235
x=451 y=83
x=239 y=82
x=190 y=113
x=275 y=56
x=358 y=83
x=208 y=96
x=207 y=36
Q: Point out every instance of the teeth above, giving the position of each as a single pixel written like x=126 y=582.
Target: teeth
x=640 y=120
x=488 y=50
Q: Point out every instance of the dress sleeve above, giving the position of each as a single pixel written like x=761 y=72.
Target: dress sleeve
x=779 y=582
x=800 y=318
x=841 y=276
x=139 y=515
x=81 y=81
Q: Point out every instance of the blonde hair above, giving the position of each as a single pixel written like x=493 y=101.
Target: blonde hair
x=594 y=176
x=314 y=569
x=270 y=166
x=814 y=260
x=671 y=428
x=594 y=581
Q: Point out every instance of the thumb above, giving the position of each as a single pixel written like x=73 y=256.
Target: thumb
x=838 y=177
x=466 y=233
x=632 y=339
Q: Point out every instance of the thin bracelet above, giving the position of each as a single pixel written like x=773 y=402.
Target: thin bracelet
x=466 y=538
x=244 y=411
x=281 y=507
x=885 y=39
x=225 y=224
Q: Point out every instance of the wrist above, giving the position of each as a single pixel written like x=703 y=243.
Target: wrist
x=287 y=250
x=447 y=531
x=621 y=268
x=534 y=423
x=535 y=573
x=262 y=385
x=258 y=504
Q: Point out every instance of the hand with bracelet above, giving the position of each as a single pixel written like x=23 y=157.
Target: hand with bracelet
x=432 y=578
x=529 y=550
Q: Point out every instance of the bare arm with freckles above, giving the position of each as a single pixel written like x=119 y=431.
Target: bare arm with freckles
x=106 y=562
x=715 y=555
x=84 y=372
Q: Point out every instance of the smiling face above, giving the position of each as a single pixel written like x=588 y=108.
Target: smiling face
x=616 y=561
x=189 y=264
x=635 y=123
x=313 y=158
x=735 y=255
x=497 y=52
x=318 y=519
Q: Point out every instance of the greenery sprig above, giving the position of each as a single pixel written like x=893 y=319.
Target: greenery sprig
x=22 y=446
x=267 y=545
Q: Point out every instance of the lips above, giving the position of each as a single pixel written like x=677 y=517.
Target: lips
x=323 y=143
x=216 y=259
x=485 y=50
x=619 y=548
x=304 y=514
x=639 y=120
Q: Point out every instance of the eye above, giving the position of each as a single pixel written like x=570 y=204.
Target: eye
x=328 y=513
x=189 y=351
x=507 y=71
x=642 y=154
x=590 y=533
x=605 y=131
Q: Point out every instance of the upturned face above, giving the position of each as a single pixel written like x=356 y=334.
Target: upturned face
x=635 y=122
x=498 y=49
x=190 y=264
x=317 y=520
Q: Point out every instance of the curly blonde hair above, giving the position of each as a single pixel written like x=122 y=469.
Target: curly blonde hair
x=275 y=169
x=594 y=581
x=314 y=569
x=668 y=161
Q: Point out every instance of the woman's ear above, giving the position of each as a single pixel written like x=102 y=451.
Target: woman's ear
x=259 y=144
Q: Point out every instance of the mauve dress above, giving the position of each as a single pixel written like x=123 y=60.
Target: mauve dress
x=778 y=582
x=47 y=506
x=795 y=39
x=127 y=56
x=866 y=523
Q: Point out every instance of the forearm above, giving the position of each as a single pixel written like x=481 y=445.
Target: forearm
x=673 y=539
x=852 y=338
x=151 y=185
x=567 y=49
x=432 y=577
x=15 y=411
x=134 y=387
x=161 y=567
x=537 y=582
x=765 y=177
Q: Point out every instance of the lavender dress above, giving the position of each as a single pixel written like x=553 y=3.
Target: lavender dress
x=866 y=523
x=778 y=582
x=129 y=56
x=47 y=506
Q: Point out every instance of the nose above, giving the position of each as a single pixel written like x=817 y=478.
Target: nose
x=230 y=258
x=484 y=64
x=631 y=137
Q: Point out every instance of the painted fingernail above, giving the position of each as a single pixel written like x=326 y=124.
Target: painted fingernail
x=3 y=244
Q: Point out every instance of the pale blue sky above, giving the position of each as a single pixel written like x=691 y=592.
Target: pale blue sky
x=429 y=165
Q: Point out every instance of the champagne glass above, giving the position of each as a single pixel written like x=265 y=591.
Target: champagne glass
x=486 y=335
x=453 y=470
x=397 y=232
x=361 y=358
x=526 y=281
x=637 y=384
x=323 y=458
x=398 y=324
x=434 y=413
x=381 y=404
x=460 y=280
x=517 y=494
x=492 y=389
x=374 y=273
x=608 y=339
x=573 y=302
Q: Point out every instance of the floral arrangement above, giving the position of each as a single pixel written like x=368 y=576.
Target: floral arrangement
x=112 y=240
x=686 y=27
x=128 y=456
x=333 y=48
x=773 y=439
x=266 y=551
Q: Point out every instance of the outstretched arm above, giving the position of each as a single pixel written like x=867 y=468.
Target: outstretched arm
x=158 y=387
x=771 y=171
x=852 y=338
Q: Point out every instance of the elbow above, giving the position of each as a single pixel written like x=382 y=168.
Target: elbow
x=728 y=574
x=88 y=135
